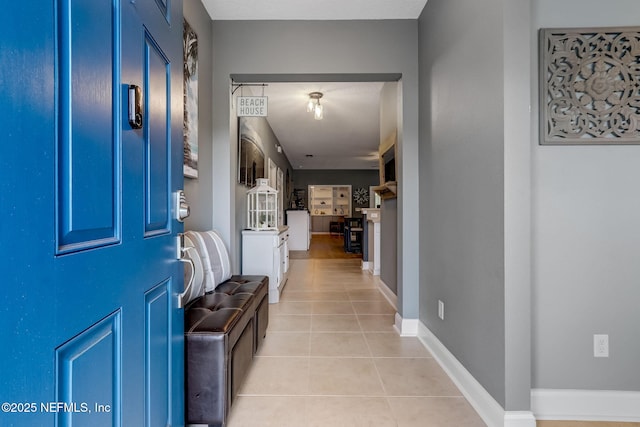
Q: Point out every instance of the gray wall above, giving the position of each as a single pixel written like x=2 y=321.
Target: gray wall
x=474 y=167
x=389 y=256
x=529 y=246
x=356 y=177
x=517 y=203
x=586 y=219
x=388 y=243
x=199 y=191
x=462 y=184
x=325 y=48
x=267 y=141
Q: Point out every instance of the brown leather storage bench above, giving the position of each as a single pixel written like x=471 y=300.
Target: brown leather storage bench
x=223 y=330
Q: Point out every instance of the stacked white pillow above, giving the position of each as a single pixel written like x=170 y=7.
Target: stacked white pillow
x=220 y=263
x=193 y=273
x=214 y=256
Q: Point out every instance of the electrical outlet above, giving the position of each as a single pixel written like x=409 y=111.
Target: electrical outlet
x=601 y=345
x=441 y=310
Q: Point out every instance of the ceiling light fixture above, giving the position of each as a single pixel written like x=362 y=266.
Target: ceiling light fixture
x=314 y=106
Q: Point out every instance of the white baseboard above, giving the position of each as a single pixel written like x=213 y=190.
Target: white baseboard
x=519 y=419
x=406 y=327
x=365 y=265
x=485 y=405
x=388 y=294
x=586 y=405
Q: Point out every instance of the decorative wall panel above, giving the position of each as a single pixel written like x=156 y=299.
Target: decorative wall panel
x=157 y=78
x=89 y=375
x=87 y=155
x=158 y=342
x=165 y=7
x=590 y=86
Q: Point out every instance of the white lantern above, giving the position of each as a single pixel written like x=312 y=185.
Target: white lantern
x=262 y=206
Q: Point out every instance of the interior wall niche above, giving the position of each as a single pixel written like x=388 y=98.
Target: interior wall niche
x=590 y=86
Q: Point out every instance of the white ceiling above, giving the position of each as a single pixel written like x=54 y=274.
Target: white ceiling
x=313 y=9
x=348 y=136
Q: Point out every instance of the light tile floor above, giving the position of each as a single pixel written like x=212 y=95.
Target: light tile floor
x=332 y=358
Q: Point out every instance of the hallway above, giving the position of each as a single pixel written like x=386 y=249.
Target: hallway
x=332 y=358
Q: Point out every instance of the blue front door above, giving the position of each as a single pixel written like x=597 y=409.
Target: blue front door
x=90 y=329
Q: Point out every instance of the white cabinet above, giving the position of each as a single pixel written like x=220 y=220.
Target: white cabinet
x=330 y=200
x=266 y=253
x=299 y=230
x=373 y=241
x=342 y=200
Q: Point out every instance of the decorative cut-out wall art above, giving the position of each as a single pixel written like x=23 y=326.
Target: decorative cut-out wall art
x=361 y=196
x=590 y=86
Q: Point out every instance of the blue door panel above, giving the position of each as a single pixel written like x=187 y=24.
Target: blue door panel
x=26 y=193
x=165 y=8
x=88 y=307
x=157 y=85
x=88 y=373
x=88 y=141
x=158 y=331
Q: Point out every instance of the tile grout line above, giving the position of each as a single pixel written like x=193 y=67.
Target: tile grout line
x=355 y=396
x=345 y=357
x=305 y=361
x=384 y=389
x=375 y=366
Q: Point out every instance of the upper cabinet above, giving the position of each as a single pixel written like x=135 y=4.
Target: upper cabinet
x=330 y=200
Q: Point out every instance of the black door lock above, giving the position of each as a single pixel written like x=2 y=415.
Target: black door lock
x=135 y=107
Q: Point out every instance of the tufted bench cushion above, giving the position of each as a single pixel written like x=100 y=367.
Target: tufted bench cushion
x=259 y=287
x=217 y=313
x=219 y=300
